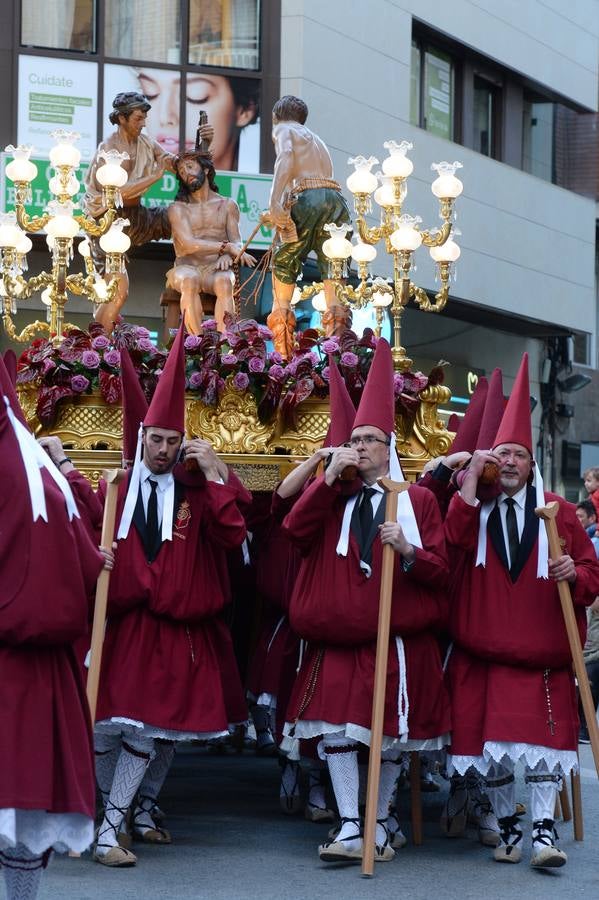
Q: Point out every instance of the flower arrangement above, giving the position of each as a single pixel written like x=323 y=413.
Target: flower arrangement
x=90 y=361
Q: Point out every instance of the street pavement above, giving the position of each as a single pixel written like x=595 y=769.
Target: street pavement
x=230 y=840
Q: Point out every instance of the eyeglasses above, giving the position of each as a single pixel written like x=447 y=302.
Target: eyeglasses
x=366 y=439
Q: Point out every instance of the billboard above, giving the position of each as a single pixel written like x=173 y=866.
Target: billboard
x=53 y=94
x=231 y=103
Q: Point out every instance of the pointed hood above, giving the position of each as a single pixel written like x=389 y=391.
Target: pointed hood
x=7 y=386
x=377 y=403
x=515 y=426
x=135 y=405
x=167 y=409
x=10 y=361
x=466 y=438
x=493 y=412
x=343 y=411
x=453 y=423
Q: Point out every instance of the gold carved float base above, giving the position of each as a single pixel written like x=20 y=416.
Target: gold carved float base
x=259 y=454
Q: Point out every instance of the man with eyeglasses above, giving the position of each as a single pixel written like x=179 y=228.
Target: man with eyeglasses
x=339 y=526
x=510 y=671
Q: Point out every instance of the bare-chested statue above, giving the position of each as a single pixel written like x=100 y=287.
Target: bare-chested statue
x=303 y=199
x=146 y=165
x=205 y=230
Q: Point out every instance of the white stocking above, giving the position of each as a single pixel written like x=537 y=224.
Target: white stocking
x=501 y=790
x=151 y=785
x=342 y=759
x=128 y=775
x=22 y=872
x=389 y=774
x=544 y=786
x=107 y=748
x=317 y=787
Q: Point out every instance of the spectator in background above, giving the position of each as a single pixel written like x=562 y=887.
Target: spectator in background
x=591 y=484
x=587 y=516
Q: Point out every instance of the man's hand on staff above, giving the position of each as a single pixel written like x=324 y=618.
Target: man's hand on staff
x=392 y=533
x=562 y=569
x=341 y=458
x=206 y=458
x=109 y=557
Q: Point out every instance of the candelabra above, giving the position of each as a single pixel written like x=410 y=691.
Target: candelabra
x=61 y=225
x=401 y=235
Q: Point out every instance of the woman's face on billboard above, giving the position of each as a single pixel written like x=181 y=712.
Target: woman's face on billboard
x=211 y=93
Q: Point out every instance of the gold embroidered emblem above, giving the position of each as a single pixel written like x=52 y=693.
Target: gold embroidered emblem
x=183 y=519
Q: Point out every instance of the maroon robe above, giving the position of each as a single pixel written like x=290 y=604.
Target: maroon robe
x=508 y=634
x=47 y=572
x=160 y=664
x=335 y=606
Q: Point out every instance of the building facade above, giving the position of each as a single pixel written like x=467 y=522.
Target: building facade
x=509 y=90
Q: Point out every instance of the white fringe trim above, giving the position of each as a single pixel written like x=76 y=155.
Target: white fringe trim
x=528 y=754
x=122 y=725
x=310 y=729
x=39 y=830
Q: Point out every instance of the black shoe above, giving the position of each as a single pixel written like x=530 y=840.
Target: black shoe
x=583 y=737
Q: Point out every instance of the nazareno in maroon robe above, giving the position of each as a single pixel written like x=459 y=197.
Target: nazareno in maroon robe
x=48 y=572
x=160 y=664
x=335 y=607
x=507 y=634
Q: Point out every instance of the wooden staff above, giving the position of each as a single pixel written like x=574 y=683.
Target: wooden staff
x=548 y=514
x=392 y=489
x=112 y=478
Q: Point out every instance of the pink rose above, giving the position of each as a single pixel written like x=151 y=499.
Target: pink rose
x=90 y=359
x=241 y=381
x=398 y=384
x=79 y=383
x=101 y=342
x=349 y=359
x=192 y=342
x=228 y=359
x=277 y=372
x=112 y=358
x=145 y=345
x=330 y=346
x=256 y=364
x=195 y=380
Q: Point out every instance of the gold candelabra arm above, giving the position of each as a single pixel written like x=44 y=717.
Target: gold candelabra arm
x=370 y=235
x=310 y=290
x=422 y=298
x=30 y=223
x=28 y=287
x=436 y=237
x=86 y=286
x=97 y=227
x=28 y=332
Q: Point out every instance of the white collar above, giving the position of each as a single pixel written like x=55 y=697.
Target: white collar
x=163 y=481
x=519 y=497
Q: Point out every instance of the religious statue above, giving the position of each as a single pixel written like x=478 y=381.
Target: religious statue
x=303 y=199
x=205 y=231
x=146 y=162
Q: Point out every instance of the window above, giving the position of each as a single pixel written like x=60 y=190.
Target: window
x=225 y=33
x=538 y=137
x=59 y=24
x=143 y=29
x=486 y=117
x=582 y=348
x=432 y=90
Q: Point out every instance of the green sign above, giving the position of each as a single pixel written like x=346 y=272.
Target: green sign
x=438 y=99
x=250 y=192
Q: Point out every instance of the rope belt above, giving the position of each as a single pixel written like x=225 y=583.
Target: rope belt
x=313 y=182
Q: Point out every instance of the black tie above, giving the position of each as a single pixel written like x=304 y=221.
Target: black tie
x=512 y=530
x=366 y=514
x=152 y=518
